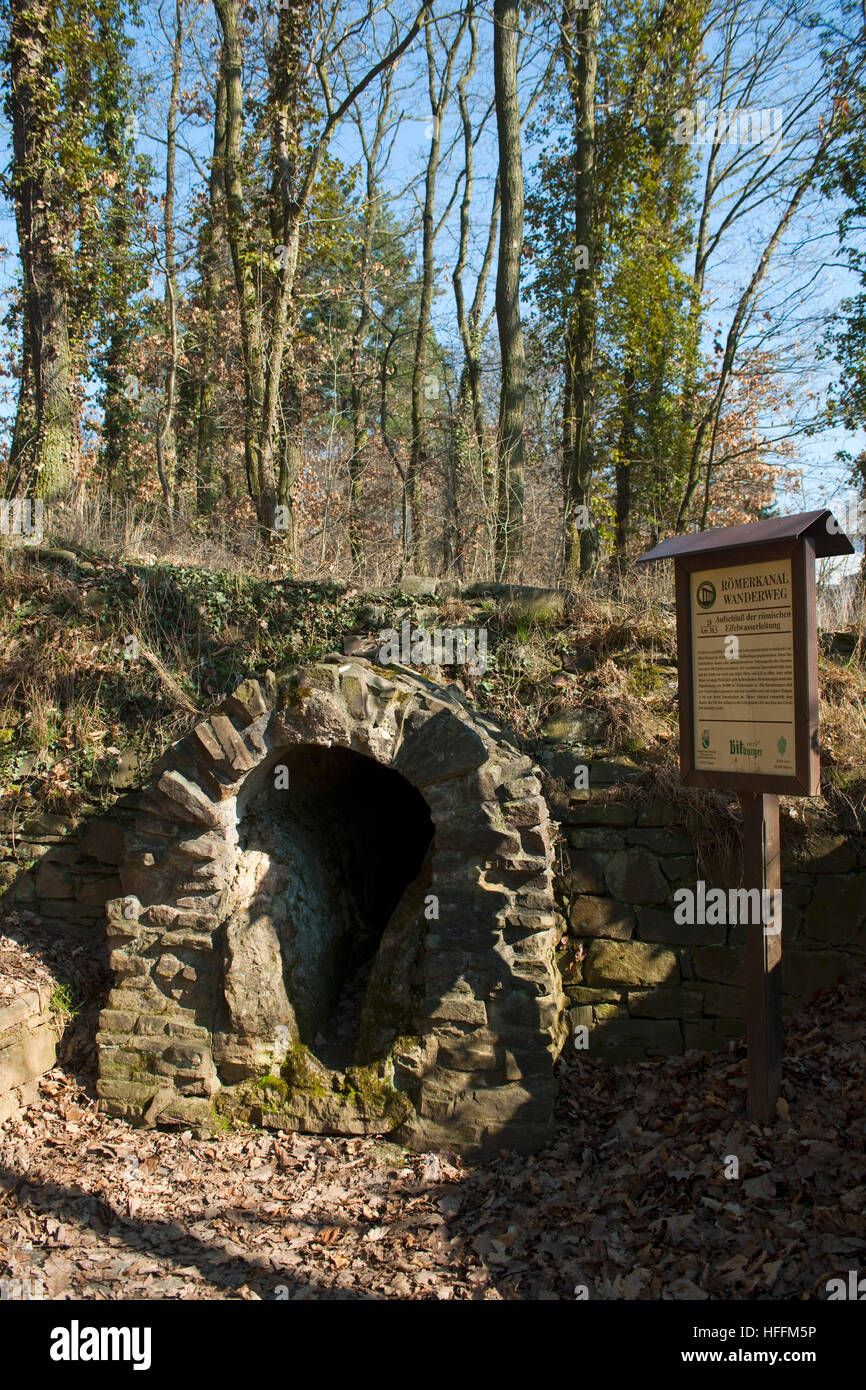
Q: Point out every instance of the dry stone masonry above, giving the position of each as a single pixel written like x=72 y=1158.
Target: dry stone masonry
x=643 y=984
x=27 y=1049
x=336 y=914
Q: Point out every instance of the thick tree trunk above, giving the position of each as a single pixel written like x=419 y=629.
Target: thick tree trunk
x=45 y=469
x=119 y=392
x=166 y=444
x=236 y=229
x=510 y=446
x=580 y=36
x=291 y=453
x=206 y=433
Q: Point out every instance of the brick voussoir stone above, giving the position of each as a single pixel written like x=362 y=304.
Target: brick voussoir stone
x=185 y=797
x=235 y=751
x=535 y=840
x=203 y=742
x=249 y=701
x=519 y=864
x=528 y=813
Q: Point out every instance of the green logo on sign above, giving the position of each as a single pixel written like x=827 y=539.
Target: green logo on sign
x=706 y=594
x=782 y=745
x=705 y=738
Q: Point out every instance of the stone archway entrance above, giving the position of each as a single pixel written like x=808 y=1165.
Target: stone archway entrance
x=338 y=917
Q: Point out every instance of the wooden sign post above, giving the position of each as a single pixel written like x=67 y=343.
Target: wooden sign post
x=762 y=869
x=748 y=704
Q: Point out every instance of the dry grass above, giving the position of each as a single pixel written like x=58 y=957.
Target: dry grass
x=71 y=694
x=145 y=532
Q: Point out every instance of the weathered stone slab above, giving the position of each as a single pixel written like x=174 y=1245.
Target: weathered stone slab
x=441 y=748
x=659 y=925
x=188 y=799
x=633 y=876
x=629 y=963
x=589 y=916
x=655 y=1037
x=608 y=813
x=837 y=908
x=28 y=1045
x=665 y=1003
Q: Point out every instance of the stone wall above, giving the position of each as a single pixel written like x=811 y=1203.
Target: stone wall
x=644 y=985
x=640 y=983
x=27 y=1050
x=62 y=867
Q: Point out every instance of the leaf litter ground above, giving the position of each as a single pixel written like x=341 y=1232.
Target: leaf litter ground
x=630 y=1201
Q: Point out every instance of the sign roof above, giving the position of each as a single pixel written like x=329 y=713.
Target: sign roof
x=779 y=528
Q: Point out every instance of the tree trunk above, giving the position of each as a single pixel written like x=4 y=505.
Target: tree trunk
x=45 y=469
x=23 y=448
x=417 y=528
x=624 y=465
x=206 y=432
x=119 y=393
x=236 y=229
x=264 y=339
x=166 y=444
x=359 y=405
x=580 y=37
x=470 y=445
x=510 y=447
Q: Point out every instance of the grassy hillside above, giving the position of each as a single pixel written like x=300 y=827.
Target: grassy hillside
x=104 y=662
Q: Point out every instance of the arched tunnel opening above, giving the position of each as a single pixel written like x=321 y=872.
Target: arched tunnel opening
x=290 y=949
x=343 y=848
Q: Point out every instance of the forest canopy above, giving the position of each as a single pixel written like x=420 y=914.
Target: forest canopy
x=370 y=287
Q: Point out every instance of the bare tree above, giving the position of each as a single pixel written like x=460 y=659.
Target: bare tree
x=471 y=449
x=510 y=446
x=307 y=41
x=440 y=89
x=206 y=431
x=166 y=449
x=760 y=154
x=377 y=145
x=579 y=40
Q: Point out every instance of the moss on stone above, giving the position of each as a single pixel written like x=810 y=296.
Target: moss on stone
x=275 y=1084
x=374 y=1096
x=303 y=1072
x=293 y=696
